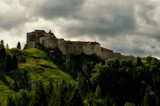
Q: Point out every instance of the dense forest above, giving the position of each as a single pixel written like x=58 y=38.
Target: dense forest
x=45 y=77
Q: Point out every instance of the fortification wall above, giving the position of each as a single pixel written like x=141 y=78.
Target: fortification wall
x=118 y=55
x=62 y=46
x=74 y=49
x=48 y=42
x=88 y=49
x=107 y=54
x=97 y=50
x=31 y=37
x=128 y=57
x=30 y=45
x=70 y=47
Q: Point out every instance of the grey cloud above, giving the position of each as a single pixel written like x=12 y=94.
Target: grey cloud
x=51 y=9
x=103 y=26
x=146 y=11
x=104 y=21
x=11 y=15
x=8 y=22
x=95 y=18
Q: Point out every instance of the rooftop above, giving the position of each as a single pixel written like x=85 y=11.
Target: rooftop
x=82 y=42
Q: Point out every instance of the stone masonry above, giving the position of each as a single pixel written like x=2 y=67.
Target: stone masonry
x=49 y=40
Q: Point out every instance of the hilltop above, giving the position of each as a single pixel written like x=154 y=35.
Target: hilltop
x=45 y=76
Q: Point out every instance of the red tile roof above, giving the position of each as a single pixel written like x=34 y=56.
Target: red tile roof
x=82 y=42
x=61 y=39
x=105 y=49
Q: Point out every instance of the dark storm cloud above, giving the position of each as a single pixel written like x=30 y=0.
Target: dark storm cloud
x=51 y=9
x=57 y=8
x=102 y=26
x=102 y=21
x=95 y=17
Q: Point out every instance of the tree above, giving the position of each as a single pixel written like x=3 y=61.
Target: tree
x=2 y=49
x=113 y=63
x=14 y=62
x=19 y=45
x=82 y=85
x=149 y=58
x=49 y=90
x=7 y=46
x=2 y=42
x=149 y=97
x=22 y=98
x=10 y=101
x=8 y=63
x=39 y=98
x=98 y=92
x=76 y=99
x=138 y=62
x=55 y=99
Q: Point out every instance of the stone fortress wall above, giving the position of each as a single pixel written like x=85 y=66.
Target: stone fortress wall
x=49 y=40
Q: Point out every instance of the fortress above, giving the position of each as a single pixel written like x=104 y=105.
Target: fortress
x=49 y=40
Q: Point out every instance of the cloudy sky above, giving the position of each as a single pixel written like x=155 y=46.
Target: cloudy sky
x=126 y=26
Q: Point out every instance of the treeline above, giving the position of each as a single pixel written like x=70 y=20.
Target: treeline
x=126 y=81
x=114 y=82
x=8 y=61
x=53 y=94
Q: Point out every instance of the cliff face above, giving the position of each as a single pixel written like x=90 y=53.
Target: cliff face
x=69 y=47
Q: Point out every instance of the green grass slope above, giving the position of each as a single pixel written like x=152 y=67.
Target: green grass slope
x=36 y=68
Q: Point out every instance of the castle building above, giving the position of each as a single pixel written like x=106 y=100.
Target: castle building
x=49 y=40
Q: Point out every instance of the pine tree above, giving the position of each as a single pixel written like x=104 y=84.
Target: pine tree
x=2 y=42
x=138 y=62
x=14 y=62
x=8 y=64
x=19 y=45
x=7 y=46
x=2 y=49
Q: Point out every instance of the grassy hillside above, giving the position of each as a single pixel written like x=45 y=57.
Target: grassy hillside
x=38 y=77
x=34 y=68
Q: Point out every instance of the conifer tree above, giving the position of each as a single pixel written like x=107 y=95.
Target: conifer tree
x=2 y=49
x=138 y=62
x=19 y=45
x=14 y=62
x=8 y=64
x=7 y=46
x=2 y=42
